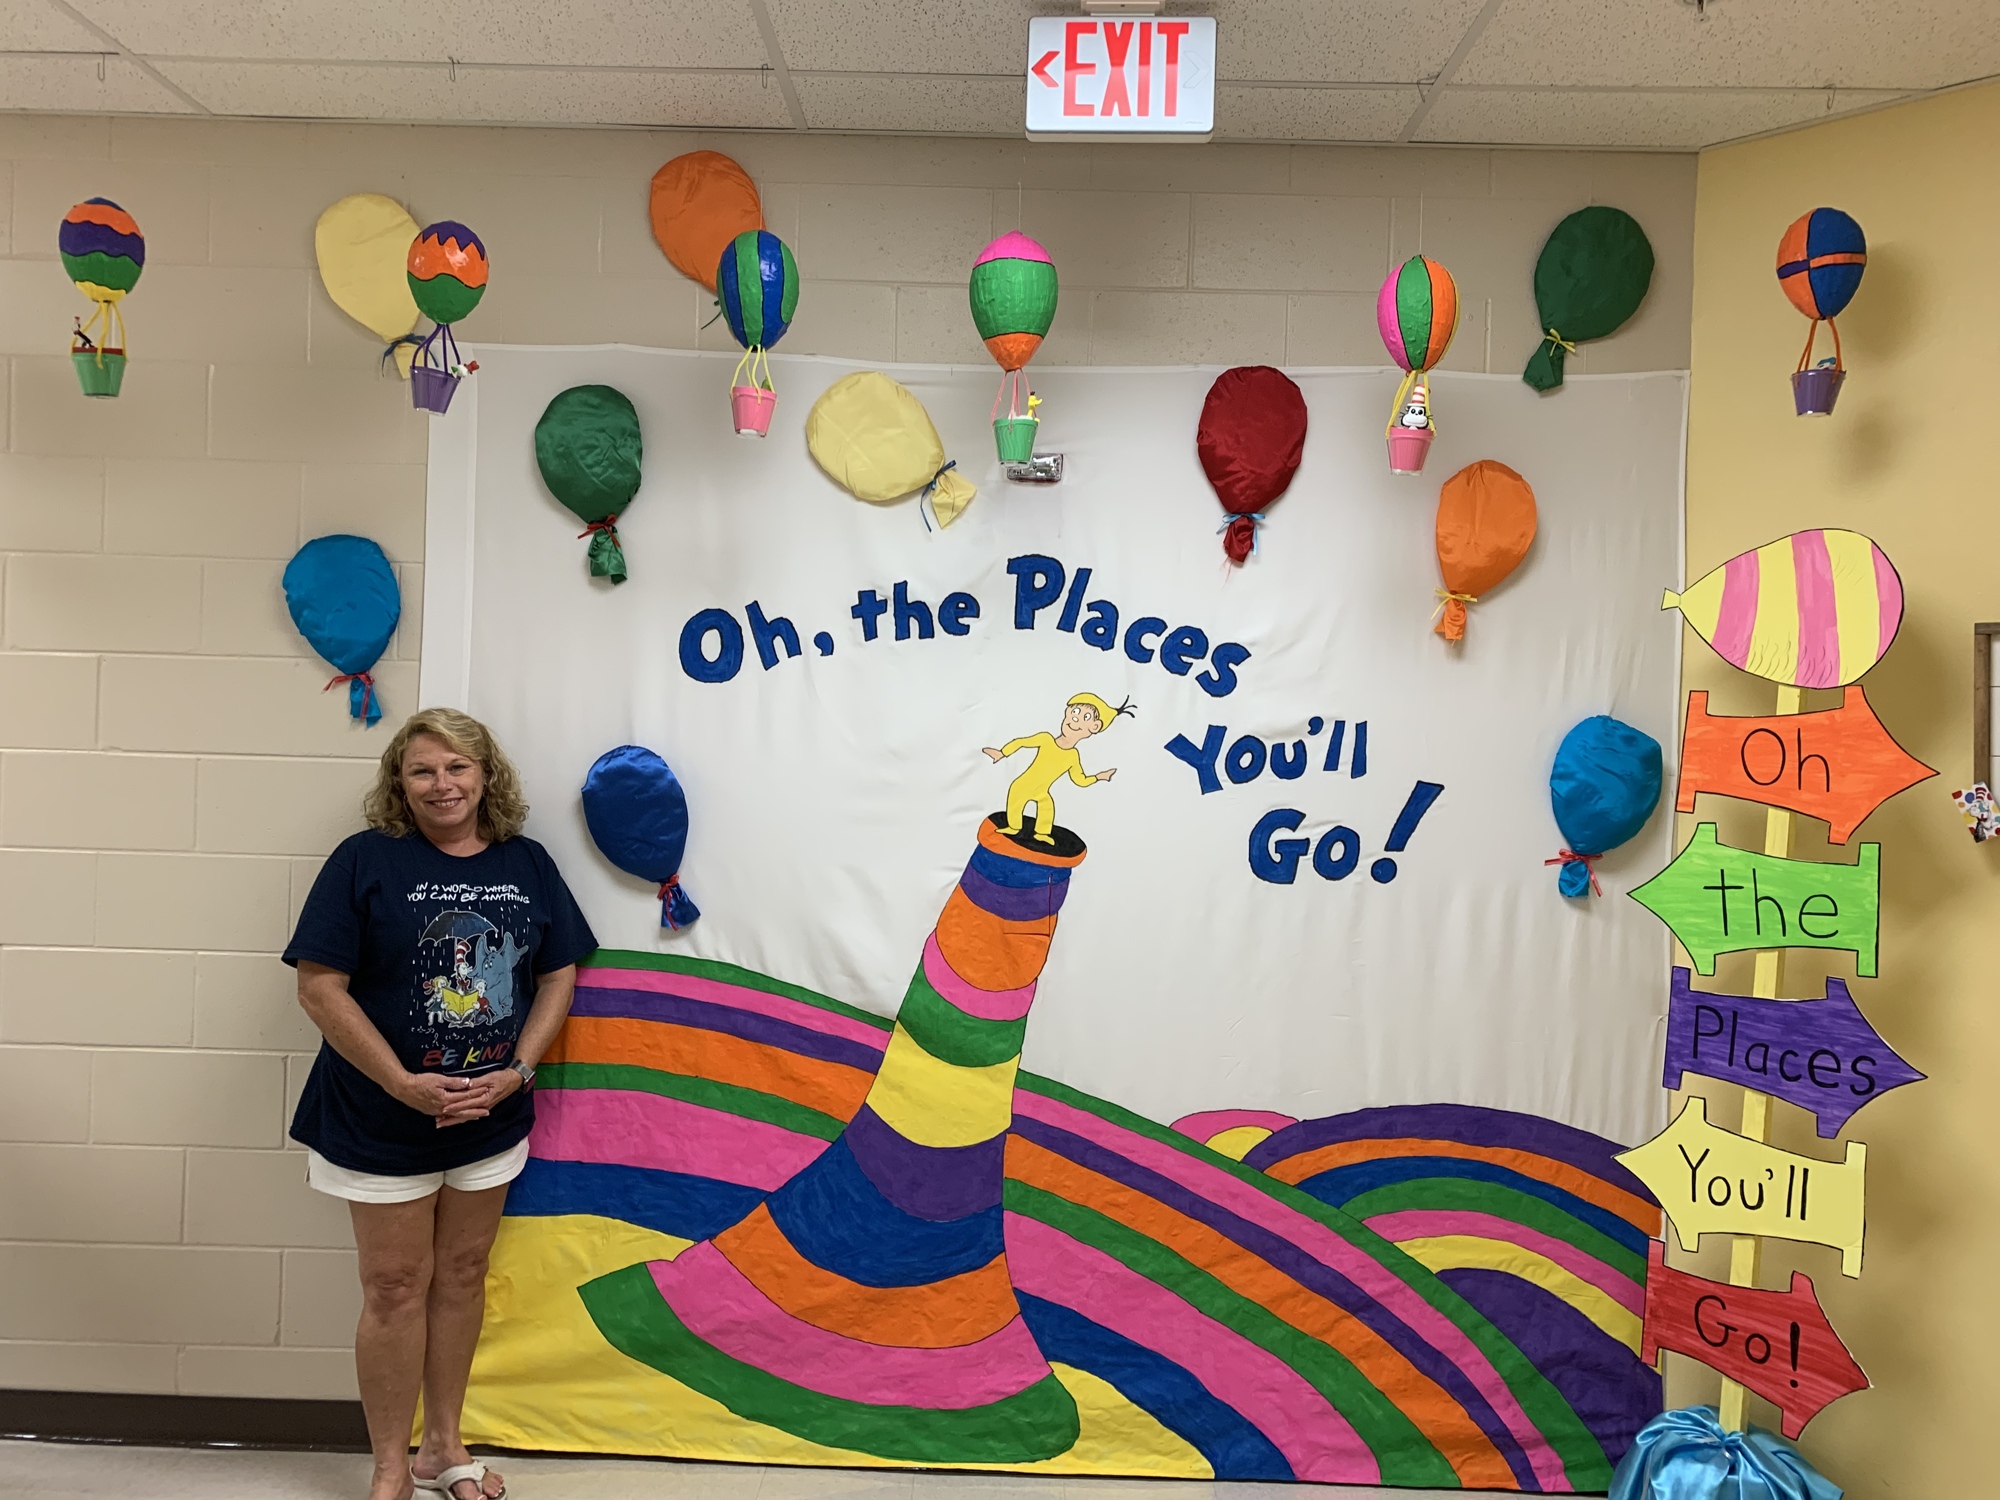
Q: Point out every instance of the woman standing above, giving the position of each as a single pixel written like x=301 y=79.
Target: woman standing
x=437 y=955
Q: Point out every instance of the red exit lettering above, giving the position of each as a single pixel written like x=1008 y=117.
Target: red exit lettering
x=1119 y=96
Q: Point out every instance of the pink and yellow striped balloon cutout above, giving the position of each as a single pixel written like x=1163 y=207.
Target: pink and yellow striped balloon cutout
x=1814 y=609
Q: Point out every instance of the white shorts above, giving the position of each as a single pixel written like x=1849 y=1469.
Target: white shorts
x=367 y=1187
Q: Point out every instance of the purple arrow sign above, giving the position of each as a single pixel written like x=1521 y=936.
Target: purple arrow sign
x=1821 y=1055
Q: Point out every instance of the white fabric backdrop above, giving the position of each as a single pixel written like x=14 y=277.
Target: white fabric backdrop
x=835 y=797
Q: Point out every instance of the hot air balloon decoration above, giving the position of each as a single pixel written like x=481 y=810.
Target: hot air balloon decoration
x=1820 y=261
x=1013 y=293
x=103 y=252
x=447 y=273
x=1417 y=313
x=1815 y=609
x=757 y=283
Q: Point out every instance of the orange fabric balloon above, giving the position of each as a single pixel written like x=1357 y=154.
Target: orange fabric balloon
x=699 y=203
x=1485 y=525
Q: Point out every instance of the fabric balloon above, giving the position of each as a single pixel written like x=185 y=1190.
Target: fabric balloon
x=1251 y=438
x=362 y=245
x=103 y=252
x=588 y=447
x=1820 y=261
x=1592 y=276
x=1687 y=1455
x=343 y=598
x=875 y=440
x=1603 y=787
x=638 y=818
x=698 y=204
x=447 y=271
x=1814 y=609
x=1485 y=525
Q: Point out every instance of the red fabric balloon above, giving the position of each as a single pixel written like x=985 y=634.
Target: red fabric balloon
x=1252 y=434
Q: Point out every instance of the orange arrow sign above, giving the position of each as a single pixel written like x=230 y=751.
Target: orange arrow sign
x=1839 y=764
x=1041 y=69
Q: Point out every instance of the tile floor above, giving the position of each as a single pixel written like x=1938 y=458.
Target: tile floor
x=89 y=1471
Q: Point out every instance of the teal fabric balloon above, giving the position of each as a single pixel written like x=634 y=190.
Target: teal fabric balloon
x=1603 y=787
x=1686 y=1455
x=343 y=597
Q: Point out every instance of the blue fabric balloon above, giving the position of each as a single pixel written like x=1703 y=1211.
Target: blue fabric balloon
x=343 y=597
x=1686 y=1455
x=638 y=816
x=1603 y=788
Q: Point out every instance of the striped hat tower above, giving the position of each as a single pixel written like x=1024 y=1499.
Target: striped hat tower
x=866 y=1304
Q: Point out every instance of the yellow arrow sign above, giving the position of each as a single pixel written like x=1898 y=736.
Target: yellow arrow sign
x=1712 y=1181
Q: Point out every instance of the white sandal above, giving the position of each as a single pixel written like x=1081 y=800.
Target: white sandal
x=456 y=1474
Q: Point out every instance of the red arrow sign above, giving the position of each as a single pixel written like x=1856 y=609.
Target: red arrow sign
x=1839 y=764
x=1779 y=1344
x=1041 y=69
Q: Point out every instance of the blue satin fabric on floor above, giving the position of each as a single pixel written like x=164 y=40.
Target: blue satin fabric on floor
x=1686 y=1455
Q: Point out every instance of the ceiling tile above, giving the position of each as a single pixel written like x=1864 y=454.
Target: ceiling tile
x=1610 y=117
x=1356 y=41
x=944 y=106
x=37 y=26
x=1889 y=44
x=69 y=84
x=595 y=96
x=908 y=36
x=604 y=33
x=1332 y=114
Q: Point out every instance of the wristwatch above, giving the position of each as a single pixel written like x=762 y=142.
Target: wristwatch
x=527 y=1073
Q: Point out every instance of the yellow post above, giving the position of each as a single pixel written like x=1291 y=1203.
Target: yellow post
x=1746 y=1250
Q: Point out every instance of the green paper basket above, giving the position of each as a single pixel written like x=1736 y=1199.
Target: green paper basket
x=1015 y=438
x=99 y=373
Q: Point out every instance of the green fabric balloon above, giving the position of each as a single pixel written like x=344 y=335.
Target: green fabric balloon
x=588 y=448
x=1592 y=276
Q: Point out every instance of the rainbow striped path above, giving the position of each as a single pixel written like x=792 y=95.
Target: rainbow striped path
x=1532 y=1222
x=864 y=1302
x=1244 y=1326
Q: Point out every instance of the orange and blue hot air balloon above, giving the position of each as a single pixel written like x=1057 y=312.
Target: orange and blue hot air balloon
x=447 y=272
x=1013 y=291
x=1820 y=261
x=1416 y=313
x=103 y=252
x=757 y=284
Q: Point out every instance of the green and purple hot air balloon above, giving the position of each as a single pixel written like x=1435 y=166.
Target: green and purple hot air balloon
x=757 y=284
x=103 y=252
x=1416 y=313
x=447 y=270
x=1013 y=294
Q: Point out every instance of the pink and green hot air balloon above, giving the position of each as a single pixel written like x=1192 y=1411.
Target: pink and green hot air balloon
x=1417 y=313
x=1013 y=293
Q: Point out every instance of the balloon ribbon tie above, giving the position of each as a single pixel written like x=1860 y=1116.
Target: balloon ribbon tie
x=389 y=350
x=609 y=526
x=677 y=908
x=1588 y=861
x=1556 y=340
x=1449 y=616
x=368 y=711
x=926 y=507
x=1252 y=519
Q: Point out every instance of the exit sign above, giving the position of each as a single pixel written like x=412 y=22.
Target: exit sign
x=1147 y=78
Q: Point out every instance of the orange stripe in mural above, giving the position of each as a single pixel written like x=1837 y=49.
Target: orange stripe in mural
x=830 y=1087
x=945 y=1314
x=1446 y=1424
x=1633 y=1209
x=988 y=952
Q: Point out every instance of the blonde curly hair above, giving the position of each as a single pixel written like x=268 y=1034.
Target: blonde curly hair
x=502 y=809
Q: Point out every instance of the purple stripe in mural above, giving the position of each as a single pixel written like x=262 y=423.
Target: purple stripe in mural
x=1012 y=903
x=939 y=1183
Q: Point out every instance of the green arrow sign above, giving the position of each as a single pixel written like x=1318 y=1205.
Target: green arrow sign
x=1720 y=900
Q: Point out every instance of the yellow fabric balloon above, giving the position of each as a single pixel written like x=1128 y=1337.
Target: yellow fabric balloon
x=363 y=245
x=875 y=440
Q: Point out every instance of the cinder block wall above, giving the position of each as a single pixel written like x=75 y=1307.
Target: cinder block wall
x=171 y=773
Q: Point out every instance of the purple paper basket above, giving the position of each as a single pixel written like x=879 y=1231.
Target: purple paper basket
x=1814 y=391
x=430 y=390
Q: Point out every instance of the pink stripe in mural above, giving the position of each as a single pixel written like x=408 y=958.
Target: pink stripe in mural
x=1819 y=621
x=987 y=1005
x=627 y=1127
x=1738 y=614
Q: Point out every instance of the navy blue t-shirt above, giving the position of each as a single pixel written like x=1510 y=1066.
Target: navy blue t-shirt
x=440 y=952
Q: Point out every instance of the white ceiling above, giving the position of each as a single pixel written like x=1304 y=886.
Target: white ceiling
x=1647 y=74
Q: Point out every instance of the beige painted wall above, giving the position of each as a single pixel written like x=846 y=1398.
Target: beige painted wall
x=1905 y=459
x=170 y=773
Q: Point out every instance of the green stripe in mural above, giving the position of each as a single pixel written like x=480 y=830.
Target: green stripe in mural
x=950 y=1035
x=1037 y=1423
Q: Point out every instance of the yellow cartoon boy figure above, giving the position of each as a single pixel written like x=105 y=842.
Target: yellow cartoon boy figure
x=1056 y=756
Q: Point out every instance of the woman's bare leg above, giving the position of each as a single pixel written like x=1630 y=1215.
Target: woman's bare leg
x=394 y=1241
x=466 y=1224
